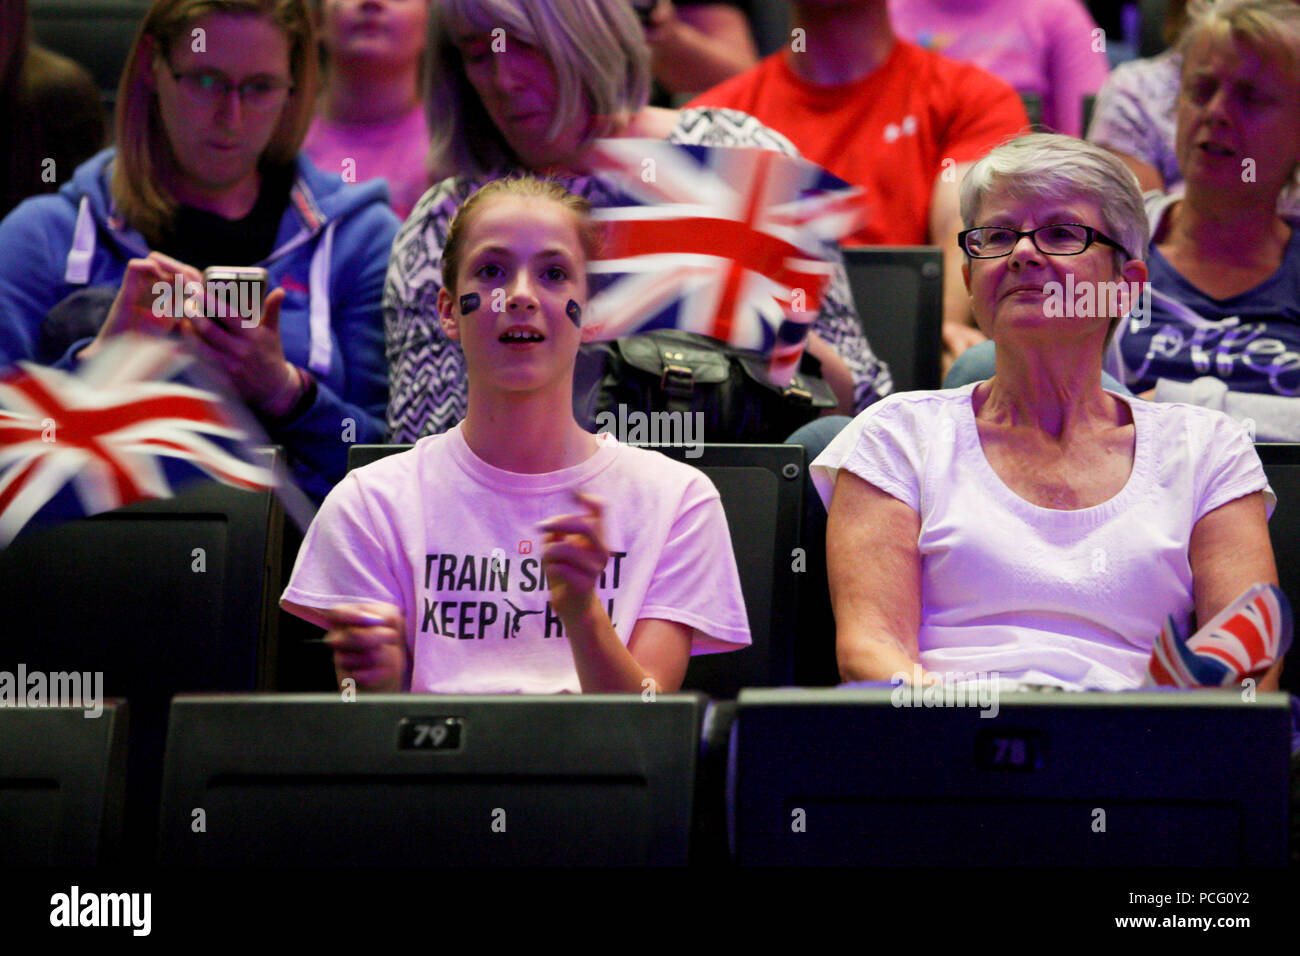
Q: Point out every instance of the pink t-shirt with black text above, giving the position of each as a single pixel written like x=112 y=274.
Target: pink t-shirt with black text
x=453 y=542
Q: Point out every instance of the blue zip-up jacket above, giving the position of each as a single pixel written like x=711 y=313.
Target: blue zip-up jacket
x=330 y=256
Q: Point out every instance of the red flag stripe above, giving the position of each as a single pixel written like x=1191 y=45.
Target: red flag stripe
x=1246 y=632
x=82 y=422
x=1170 y=648
x=726 y=314
x=21 y=436
x=1159 y=674
x=751 y=249
x=1267 y=615
x=1223 y=655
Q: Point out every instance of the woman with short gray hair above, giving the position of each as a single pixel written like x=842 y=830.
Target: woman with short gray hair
x=1059 y=168
x=1035 y=526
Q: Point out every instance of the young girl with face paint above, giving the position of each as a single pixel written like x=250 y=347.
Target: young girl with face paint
x=518 y=552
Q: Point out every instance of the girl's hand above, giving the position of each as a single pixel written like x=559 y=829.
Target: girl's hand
x=369 y=644
x=574 y=555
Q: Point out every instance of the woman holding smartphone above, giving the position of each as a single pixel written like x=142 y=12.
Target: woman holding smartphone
x=211 y=112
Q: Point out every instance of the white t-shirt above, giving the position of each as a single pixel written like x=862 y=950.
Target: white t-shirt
x=1070 y=598
x=419 y=529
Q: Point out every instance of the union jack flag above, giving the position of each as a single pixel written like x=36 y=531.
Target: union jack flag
x=737 y=244
x=1243 y=640
x=107 y=428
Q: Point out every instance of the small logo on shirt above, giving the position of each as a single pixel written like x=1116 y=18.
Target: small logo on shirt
x=525 y=547
x=906 y=128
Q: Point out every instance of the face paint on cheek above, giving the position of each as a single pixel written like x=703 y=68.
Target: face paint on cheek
x=469 y=302
x=574 y=312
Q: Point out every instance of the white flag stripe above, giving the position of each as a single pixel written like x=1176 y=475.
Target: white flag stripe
x=666 y=212
x=660 y=264
x=678 y=176
x=149 y=359
x=52 y=470
x=28 y=449
x=621 y=312
x=206 y=455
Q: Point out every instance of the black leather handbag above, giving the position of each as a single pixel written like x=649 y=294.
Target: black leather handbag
x=667 y=370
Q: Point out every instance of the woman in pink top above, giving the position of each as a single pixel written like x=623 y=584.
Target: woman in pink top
x=1050 y=49
x=370 y=121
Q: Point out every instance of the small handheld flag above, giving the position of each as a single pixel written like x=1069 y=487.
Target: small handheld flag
x=109 y=429
x=737 y=244
x=1243 y=640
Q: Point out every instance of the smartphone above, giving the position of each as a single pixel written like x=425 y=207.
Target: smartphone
x=233 y=295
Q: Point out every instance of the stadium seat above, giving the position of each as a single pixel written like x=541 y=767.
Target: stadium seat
x=418 y=780
x=1282 y=467
x=710 y=842
x=95 y=33
x=62 y=783
x=1087 y=106
x=1151 y=39
x=877 y=777
x=769 y=20
x=1034 y=108
x=761 y=487
x=898 y=291
x=161 y=596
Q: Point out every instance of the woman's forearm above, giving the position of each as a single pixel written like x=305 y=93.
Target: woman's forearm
x=876 y=657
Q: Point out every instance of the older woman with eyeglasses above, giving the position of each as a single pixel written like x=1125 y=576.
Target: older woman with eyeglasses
x=1035 y=525
x=213 y=106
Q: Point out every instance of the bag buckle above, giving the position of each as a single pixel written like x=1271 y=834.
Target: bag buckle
x=797 y=394
x=678 y=380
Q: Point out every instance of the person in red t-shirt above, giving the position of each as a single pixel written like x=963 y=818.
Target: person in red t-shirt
x=884 y=114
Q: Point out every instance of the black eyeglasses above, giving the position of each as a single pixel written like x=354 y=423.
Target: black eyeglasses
x=1057 y=239
x=209 y=88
